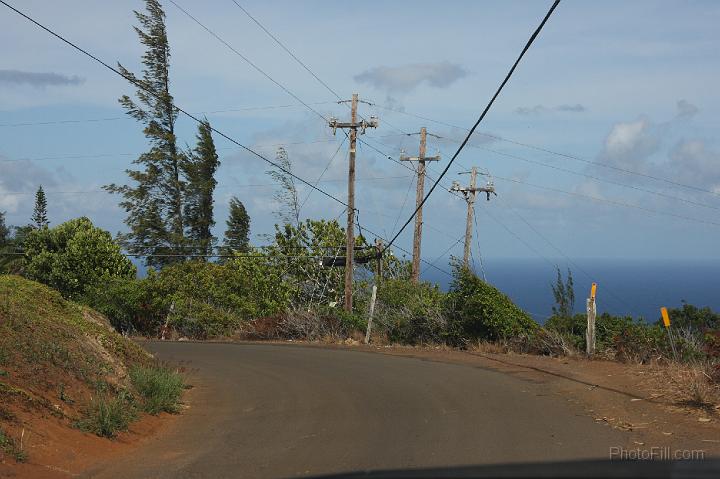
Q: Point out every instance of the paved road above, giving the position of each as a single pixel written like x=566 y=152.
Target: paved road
x=262 y=410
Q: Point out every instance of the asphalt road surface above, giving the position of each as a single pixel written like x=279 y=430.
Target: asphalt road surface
x=262 y=410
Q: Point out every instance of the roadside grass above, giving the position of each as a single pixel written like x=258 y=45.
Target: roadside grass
x=160 y=388
x=106 y=416
x=689 y=385
x=66 y=360
x=9 y=446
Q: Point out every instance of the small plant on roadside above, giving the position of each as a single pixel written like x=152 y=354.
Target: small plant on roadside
x=160 y=388
x=10 y=447
x=107 y=415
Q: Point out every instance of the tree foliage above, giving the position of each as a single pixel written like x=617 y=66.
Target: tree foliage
x=564 y=294
x=237 y=233
x=4 y=231
x=40 y=216
x=154 y=203
x=74 y=256
x=287 y=194
x=481 y=311
x=300 y=250
x=199 y=167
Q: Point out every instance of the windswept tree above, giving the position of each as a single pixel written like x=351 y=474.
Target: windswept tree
x=199 y=169
x=154 y=200
x=564 y=293
x=287 y=194
x=237 y=234
x=40 y=216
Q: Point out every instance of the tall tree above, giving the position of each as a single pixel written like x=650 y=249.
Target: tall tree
x=564 y=294
x=154 y=203
x=4 y=230
x=40 y=217
x=237 y=234
x=287 y=194
x=199 y=169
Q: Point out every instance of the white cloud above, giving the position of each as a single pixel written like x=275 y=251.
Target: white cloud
x=692 y=162
x=630 y=144
x=406 y=78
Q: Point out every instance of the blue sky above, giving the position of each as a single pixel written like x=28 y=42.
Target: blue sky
x=629 y=85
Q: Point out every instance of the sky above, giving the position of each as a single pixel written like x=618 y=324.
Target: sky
x=603 y=144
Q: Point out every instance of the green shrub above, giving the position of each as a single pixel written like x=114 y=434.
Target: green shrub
x=478 y=310
x=572 y=328
x=74 y=256
x=108 y=415
x=204 y=300
x=160 y=388
x=411 y=313
x=689 y=316
x=127 y=303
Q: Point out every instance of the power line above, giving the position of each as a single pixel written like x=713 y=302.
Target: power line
x=592 y=177
x=153 y=93
x=567 y=258
x=612 y=202
x=115 y=118
x=327 y=166
x=553 y=152
x=105 y=155
x=287 y=50
x=482 y=116
x=248 y=61
x=246 y=185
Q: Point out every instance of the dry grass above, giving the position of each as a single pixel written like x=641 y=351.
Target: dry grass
x=686 y=384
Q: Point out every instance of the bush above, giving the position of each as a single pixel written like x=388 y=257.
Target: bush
x=127 y=303
x=160 y=388
x=74 y=256
x=572 y=328
x=411 y=313
x=477 y=310
x=550 y=342
x=106 y=416
x=300 y=324
x=689 y=316
x=204 y=300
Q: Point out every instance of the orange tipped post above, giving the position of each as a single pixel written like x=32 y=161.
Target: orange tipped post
x=593 y=290
x=666 y=322
x=665 y=317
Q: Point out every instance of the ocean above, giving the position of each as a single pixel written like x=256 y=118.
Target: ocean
x=625 y=286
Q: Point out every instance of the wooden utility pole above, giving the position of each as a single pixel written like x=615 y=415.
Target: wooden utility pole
x=470 y=194
x=590 y=330
x=419 y=195
x=353 y=126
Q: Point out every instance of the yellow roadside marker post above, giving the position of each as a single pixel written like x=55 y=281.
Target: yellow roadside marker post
x=590 y=331
x=666 y=323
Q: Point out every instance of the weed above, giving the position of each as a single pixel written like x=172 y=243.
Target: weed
x=9 y=446
x=160 y=388
x=107 y=415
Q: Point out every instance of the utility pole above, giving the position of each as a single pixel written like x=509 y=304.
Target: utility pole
x=419 y=195
x=470 y=194
x=353 y=126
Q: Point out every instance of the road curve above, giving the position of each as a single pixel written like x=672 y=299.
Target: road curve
x=264 y=410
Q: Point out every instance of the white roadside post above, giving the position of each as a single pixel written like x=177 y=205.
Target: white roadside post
x=372 y=311
x=590 y=331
